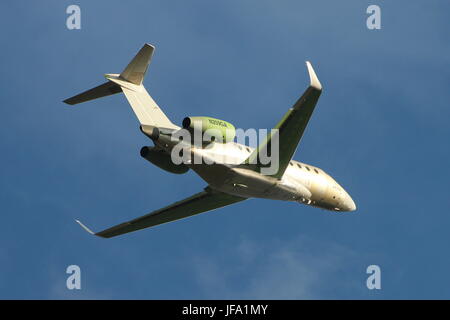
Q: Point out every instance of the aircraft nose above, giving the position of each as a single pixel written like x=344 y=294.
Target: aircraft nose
x=348 y=204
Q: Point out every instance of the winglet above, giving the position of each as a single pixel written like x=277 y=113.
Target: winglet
x=85 y=228
x=314 y=81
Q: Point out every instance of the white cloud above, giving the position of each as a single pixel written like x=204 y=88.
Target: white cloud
x=297 y=269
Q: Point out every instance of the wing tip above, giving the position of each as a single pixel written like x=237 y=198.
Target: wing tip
x=149 y=45
x=69 y=101
x=85 y=228
x=314 y=80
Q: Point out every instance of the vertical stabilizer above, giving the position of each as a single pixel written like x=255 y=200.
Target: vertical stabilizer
x=136 y=69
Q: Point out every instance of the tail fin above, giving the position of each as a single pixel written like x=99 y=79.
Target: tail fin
x=130 y=83
x=136 y=69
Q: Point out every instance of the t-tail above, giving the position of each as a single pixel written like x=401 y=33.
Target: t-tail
x=130 y=83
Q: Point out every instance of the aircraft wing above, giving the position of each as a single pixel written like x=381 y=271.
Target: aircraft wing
x=201 y=202
x=291 y=127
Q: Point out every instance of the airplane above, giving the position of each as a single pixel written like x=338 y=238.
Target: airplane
x=227 y=182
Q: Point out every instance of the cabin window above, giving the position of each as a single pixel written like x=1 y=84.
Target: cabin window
x=248 y=149
x=291 y=164
x=298 y=165
x=307 y=168
x=316 y=171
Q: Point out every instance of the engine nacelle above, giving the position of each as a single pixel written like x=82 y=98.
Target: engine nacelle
x=150 y=131
x=211 y=126
x=162 y=160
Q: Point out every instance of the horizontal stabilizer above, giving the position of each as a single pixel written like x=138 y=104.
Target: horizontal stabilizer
x=106 y=89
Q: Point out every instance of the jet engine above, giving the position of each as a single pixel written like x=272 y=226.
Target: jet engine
x=212 y=127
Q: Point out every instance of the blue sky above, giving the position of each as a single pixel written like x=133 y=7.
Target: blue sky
x=380 y=128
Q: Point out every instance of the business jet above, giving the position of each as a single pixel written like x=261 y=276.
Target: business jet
x=234 y=172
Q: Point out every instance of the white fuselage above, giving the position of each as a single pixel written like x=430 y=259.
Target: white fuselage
x=221 y=166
